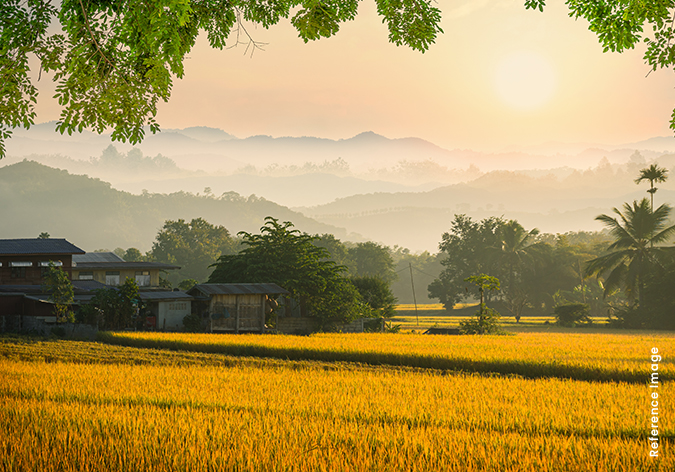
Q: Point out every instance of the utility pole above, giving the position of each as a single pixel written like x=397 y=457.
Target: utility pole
x=413 y=290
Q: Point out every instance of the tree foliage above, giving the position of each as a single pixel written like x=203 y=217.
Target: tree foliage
x=466 y=248
x=60 y=289
x=290 y=259
x=653 y=173
x=486 y=321
x=193 y=246
x=633 y=253
x=373 y=260
x=114 y=60
x=118 y=306
x=572 y=314
x=376 y=293
x=532 y=268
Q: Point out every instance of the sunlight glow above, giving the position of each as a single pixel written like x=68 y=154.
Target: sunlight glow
x=525 y=80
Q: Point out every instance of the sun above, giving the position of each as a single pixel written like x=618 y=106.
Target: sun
x=525 y=80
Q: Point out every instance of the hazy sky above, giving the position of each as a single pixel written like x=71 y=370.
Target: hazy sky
x=499 y=76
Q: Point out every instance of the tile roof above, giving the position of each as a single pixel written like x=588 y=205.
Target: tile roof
x=237 y=289
x=38 y=246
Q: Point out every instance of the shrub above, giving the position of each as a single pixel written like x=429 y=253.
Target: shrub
x=572 y=314
x=192 y=323
x=486 y=321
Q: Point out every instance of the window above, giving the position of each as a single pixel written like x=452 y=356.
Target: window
x=54 y=263
x=112 y=278
x=143 y=278
x=18 y=273
x=86 y=275
x=44 y=266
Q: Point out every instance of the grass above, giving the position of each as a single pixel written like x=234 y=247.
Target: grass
x=71 y=406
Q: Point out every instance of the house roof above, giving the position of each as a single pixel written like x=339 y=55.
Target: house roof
x=154 y=296
x=237 y=289
x=97 y=257
x=164 y=295
x=124 y=265
x=37 y=246
x=80 y=286
x=87 y=285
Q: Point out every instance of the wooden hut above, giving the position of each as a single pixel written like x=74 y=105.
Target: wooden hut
x=235 y=308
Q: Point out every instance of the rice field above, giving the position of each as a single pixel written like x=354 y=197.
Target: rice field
x=581 y=356
x=199 y=406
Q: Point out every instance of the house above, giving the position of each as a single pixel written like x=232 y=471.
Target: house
x=110 y=269
x=235 y=308
x=24 y=306
x=24 y=261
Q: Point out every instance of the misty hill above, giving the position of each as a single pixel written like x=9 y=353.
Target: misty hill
x=214 y=150
x=93 y=215
x=416 y=220
x=287 y=190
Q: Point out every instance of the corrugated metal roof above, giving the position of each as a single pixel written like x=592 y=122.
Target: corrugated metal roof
x=158 y=296
x=21 y=288
x=87 y=285
x=237 y=289
x=97 y=257
x=37 y=246
x=125 y=265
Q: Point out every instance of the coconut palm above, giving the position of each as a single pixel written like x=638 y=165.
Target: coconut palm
x=514 y=251
x=653 y=173
x=633 y=253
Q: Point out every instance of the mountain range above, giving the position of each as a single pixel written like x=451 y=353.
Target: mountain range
x=407 y=198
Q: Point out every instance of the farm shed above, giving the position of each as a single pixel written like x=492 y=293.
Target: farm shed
x=235 y=308
x=167 y=309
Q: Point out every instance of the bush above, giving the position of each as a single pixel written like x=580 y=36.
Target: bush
x=486 y=322
x=572 y=315
x=192 y=323
x=373 y=325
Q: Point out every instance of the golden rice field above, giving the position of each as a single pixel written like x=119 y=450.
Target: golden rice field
x=581 y=356
x=84 y=406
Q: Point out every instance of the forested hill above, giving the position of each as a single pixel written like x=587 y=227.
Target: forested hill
x=93 y=215
x=552 y=204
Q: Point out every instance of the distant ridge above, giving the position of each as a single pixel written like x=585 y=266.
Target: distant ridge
x=93 y=215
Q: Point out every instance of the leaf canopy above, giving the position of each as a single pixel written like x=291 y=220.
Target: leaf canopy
x=115 y=60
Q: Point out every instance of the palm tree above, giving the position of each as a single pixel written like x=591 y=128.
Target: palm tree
x=653 y=173
x=514 y=251
x=632 y=252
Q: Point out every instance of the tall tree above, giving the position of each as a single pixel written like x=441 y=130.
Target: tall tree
x=466 y=250
x=290 y=259
x=114 y=60
x=372 y=259
x=635 y=233
x=193 y=246
x=117 y=305
x=653 y=173
x=376 y=293
x=514 y=253
x=60 y=289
